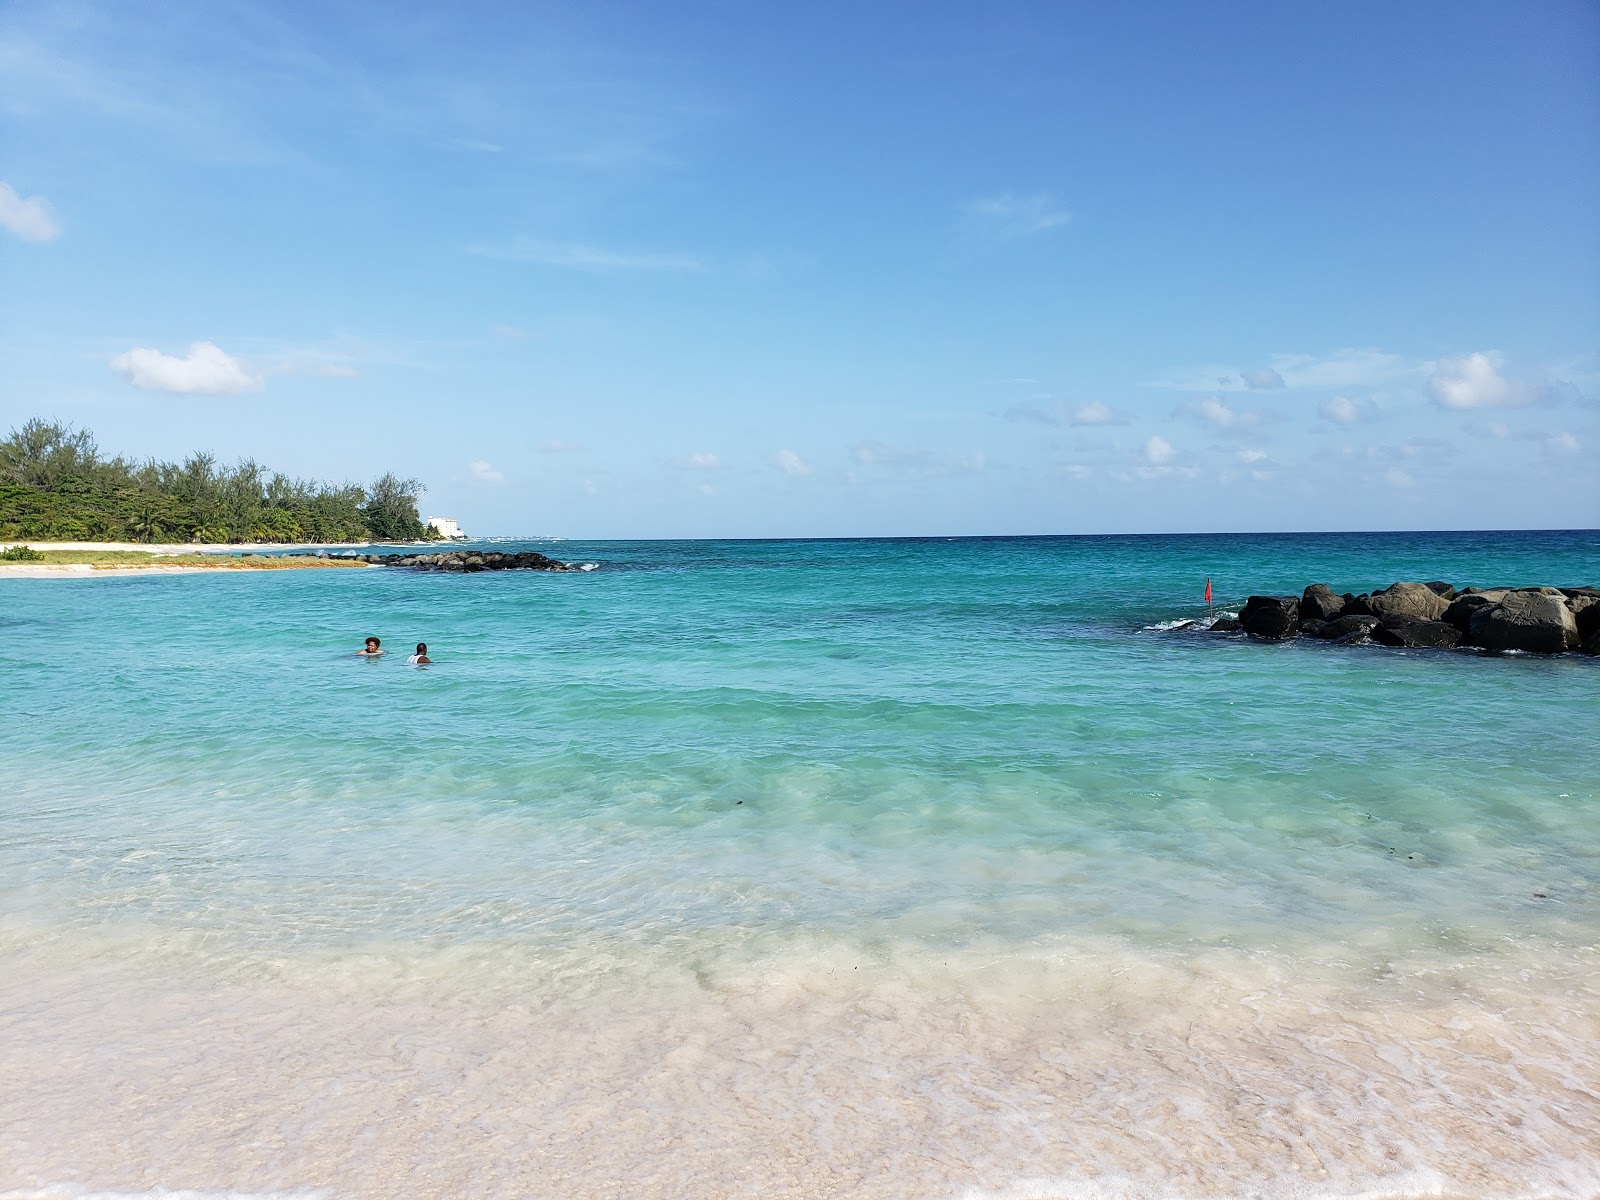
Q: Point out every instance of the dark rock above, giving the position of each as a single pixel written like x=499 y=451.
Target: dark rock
x=1439 y=587
x=1361 y=637
x=1494 y=593
x=1223 y=625
x=1407 y=601
x=1312 y=627
x=1319 y=603
x=1270 y=617
x=1591 y=644
x=1585 y=614
x=1358 y=626
x=1463 y=606
x=1401 y=632
x=1525 y=621
x=1355 y=606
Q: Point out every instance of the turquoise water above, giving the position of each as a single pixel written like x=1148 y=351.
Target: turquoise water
x=973 y=776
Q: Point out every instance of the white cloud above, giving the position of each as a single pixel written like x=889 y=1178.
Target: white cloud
x=1009 y=216
x=29 y=219
x=1341 y=410
x=1562 y=443
x=702 y=461
x=556 y=446
x=484 y=473
x=206 y=370
x=1476 y=382
x=705 y=489
x=1077 y=471
x=1251 y=456
x=1096 y=412
x=791 y=463
x=1218 y=413
x=1396 y=478
x=1263 y=379
x=582 y=257
x=1158 y=451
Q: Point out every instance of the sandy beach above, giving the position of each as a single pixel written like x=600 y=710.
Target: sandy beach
x=231 y=556
x=189 y=547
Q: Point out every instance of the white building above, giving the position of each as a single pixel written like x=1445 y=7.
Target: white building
x=446 y=527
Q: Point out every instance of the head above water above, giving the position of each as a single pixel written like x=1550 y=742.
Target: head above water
x=422 y=647
x=373 y=643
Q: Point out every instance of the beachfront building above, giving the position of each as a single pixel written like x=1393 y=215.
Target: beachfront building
x=446 y=527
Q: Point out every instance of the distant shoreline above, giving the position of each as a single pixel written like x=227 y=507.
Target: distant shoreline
x=60 y=561
x=199 y=547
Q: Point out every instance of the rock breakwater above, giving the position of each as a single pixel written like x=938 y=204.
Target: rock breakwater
x=467 y=560
x=1539 y=620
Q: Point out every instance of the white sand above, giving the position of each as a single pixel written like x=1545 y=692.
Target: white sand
x=86 y=570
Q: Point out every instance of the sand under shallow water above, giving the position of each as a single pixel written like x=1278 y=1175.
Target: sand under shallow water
x=877 y=870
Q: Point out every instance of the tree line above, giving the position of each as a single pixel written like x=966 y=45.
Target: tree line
x=56 y=486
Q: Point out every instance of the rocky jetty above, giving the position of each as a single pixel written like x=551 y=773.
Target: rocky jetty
x=467 y=560
x=1542 y=620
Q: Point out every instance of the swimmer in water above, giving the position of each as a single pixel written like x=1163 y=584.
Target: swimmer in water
x=373 y=648
x=420 y=658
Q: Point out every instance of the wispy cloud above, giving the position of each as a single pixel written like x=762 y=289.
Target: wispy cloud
x=1009 y=216
x=1340 y=409
x=484 y=472
x=1262 y=379
x=556 y=446
x=1337 y=370
x=207 y=370
x=1096 y=412
x=702 y=460
x=916 y=461
x=791 y=464
x=30 y=219
x=580 y=256
x=1212 y=409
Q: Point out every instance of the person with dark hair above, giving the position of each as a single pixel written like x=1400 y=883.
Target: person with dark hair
x=420 y=658
x=373 y=648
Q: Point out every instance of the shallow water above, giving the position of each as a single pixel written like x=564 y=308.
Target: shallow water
x=869 y=868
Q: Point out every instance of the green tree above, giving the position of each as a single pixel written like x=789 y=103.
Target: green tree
x=391 y=511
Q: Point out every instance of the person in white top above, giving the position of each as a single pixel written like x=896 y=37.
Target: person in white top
x=420 y=658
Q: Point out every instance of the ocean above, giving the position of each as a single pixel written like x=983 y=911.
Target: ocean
x=915 y=868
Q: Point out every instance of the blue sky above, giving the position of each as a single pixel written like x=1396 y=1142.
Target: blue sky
x=714 y=269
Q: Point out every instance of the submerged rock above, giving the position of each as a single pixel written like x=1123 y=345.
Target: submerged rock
x=1271 y=617
x=1529 y=620
x=1223 y=625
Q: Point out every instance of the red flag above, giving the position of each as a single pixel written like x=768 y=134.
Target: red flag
x=1208 y=589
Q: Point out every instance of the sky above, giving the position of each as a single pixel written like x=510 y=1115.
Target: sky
x=715 y=269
